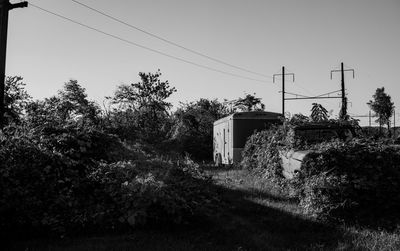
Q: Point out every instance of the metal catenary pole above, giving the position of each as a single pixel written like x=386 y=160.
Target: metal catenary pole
x=283 y=74
x=283 y=91
x=343 y=111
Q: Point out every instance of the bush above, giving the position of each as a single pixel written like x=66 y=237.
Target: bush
x=82 y=143
x=38 y=188
x=261 y=152
x=356 y=181
x=53 y=182
x=154 y=191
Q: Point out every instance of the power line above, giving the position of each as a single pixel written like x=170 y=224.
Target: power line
x=145 y=47
x=168 y=41
x=329 y=93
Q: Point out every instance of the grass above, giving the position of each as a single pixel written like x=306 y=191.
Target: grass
x=254 y=216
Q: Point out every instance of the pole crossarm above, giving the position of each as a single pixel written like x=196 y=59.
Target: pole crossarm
x=352 y=70
x=280 y=74
x=17 y=5
x=10 y=6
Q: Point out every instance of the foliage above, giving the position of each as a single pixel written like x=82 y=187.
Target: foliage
x=352 y=181
x=38 y=188
x=356 y=181
x=193 y=127
x=249 y=103
x=122 y=123
x=261 y=152
x=383 y=106
x=299 y=119
x=155 y=191
x=318 y=113
x=69 y=106
x=145 y=102
x=82 y=143
x=76 y=180
x=74 y=103
x=16 y=99
x=151 y=92
x=62 y=172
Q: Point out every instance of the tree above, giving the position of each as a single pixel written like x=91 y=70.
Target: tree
x=383 y=106
x=146 y=101
x=193 y=127
x=69 y=105
x=16 y=99
x=318 y=113
x=249 y=103
x=74 y=102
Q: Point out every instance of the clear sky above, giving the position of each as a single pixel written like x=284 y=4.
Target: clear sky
x=309 y=37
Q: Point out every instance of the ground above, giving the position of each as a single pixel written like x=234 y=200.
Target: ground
x=253 y=217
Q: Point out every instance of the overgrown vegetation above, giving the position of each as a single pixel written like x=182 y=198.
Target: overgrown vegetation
x=67 y=167
x=261 y=152
x=354 y=181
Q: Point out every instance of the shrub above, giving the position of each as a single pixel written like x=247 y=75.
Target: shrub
x=154 y=191
x=82 y=143
x=38 y=188
x=261 y=152
x=50 y=184
x=354 y=181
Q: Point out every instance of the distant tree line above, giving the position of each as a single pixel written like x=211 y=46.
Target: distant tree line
x=135 y=112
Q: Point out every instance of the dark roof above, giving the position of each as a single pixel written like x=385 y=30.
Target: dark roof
x=256 y=114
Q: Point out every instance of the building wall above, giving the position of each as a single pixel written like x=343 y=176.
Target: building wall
x=223 y=145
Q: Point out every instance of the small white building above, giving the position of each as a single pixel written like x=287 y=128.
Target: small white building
x=231 y=133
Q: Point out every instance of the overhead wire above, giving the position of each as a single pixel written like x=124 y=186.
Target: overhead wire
x=302 y=87
x=145 y=47
x=168 y=41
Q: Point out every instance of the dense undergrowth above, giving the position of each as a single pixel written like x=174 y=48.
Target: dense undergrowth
x=353 y=182
x=70 y=180
x=356 y=181
x=68 y=167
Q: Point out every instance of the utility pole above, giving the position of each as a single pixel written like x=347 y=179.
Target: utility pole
x=283 y=91
x=343 y=110
x=369 y=116
x=283 y=87
x=5 y=6
x=394 y=123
